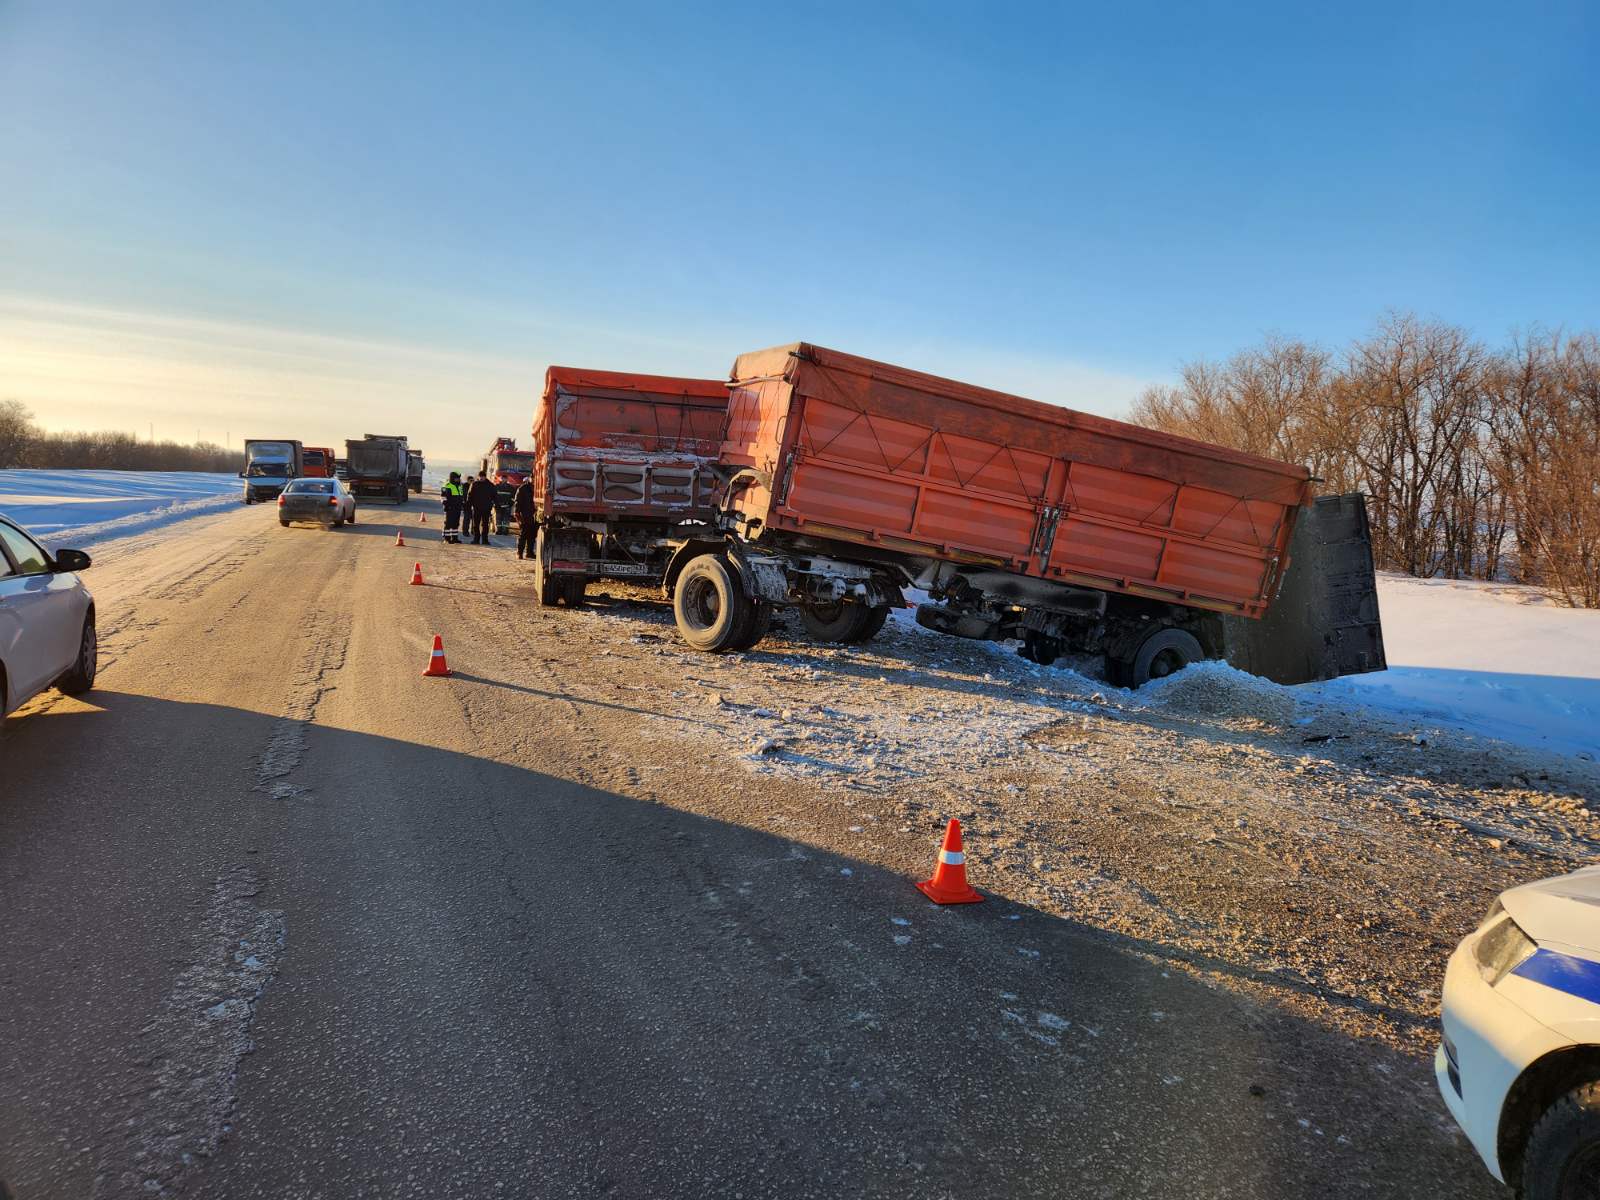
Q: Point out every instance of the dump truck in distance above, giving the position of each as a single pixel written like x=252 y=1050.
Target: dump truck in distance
x=414 y=468
x=269 y=464
x=850 y=481
x=378 y=466
x=623 y=473
x=317 y=462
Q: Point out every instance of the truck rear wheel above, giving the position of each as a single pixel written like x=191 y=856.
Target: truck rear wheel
x=573 y=588
x=710 y=607
x=870 y=623
x=839 y=621
x=1165 y=652
x=546 y=587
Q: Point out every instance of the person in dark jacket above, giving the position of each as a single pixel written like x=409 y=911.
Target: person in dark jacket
x=480 y=500
x=527 y=523
x=454 y=499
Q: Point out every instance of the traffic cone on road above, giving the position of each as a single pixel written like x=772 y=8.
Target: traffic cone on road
x=424 y=518
x=949 y=883
x=436 y=663
x=399 y=538
x=416 y=574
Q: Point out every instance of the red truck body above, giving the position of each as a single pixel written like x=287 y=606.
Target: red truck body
x=850 y=450
x=849 y=481
x=622 y=464
x=613 y=444
x=317 y=462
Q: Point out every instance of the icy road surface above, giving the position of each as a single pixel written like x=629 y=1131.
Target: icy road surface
x=596 y=915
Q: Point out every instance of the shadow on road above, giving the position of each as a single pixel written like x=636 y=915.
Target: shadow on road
x=495 y=979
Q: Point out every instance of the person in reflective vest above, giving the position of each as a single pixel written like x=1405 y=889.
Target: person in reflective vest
x=454 y=497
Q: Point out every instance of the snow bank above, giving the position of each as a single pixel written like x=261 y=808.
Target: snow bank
x=1493 y=659
x=80 y=508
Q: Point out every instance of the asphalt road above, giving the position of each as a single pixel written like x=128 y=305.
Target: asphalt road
x=280 y=917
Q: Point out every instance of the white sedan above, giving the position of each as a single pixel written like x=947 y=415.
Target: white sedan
x=47 y=635
x=1519 y=1063
x=321 y=501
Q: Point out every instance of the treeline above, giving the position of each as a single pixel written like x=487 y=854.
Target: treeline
x=24 y=444
x=1478 y=462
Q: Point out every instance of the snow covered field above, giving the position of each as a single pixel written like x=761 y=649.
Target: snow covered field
x=81 y=508
x=1493 y=659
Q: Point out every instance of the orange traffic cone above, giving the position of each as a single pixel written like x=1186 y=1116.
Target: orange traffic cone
x=437 y=665
x=399 y=538
x=424 y=518
x=416 y=574
x=949 y=883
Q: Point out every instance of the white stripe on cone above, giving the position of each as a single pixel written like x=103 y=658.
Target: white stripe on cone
x=952 y=858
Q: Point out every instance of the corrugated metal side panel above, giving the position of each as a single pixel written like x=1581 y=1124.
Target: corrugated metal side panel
x=627 y=445
x=929 y=466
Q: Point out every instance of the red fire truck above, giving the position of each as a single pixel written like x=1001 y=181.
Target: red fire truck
x=508 y=469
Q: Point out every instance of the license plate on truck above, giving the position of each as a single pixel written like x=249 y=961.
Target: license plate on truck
x=609 y=568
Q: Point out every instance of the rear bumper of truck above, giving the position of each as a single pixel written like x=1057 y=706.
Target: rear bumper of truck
x=375 y=487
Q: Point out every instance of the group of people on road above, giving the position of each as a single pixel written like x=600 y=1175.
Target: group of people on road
x=470 y=506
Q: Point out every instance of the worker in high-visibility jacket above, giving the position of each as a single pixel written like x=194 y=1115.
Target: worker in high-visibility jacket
x=455 y=498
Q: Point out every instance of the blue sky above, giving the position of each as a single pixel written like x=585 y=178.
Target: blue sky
x=240 y=217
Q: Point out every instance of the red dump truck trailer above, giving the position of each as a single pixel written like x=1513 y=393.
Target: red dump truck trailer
x=623 y=472
x=850 y=481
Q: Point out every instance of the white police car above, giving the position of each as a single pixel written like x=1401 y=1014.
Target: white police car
x=1519 y=1064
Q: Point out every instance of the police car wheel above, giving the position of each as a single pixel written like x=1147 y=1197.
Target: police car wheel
x=1562 y=1161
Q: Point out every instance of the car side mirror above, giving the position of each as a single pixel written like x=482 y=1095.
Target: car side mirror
x=72 y=560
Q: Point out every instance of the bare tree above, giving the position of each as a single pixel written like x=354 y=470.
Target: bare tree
x=17 y=432
x=1475 y=463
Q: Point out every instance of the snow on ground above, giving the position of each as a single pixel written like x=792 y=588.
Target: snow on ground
x=1494 y=659
x=80 y=508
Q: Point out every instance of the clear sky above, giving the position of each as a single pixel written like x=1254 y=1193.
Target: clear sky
x=319 y=219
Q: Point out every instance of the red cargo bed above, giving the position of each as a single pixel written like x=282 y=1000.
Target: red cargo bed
x=846 y=449
x=611 y=444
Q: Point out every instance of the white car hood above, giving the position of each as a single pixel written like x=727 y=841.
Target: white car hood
x=1565 y=909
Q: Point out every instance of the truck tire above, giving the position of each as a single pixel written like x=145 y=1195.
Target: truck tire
x=546 y=587
x=839 y=621
x=80 y=676
x=284 y=523
x=756 y=628
x=1040 y=648
x=709 y=605
x=573 y=588
x=1165 y=652
x=869 y=623
x=1562 y=1159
